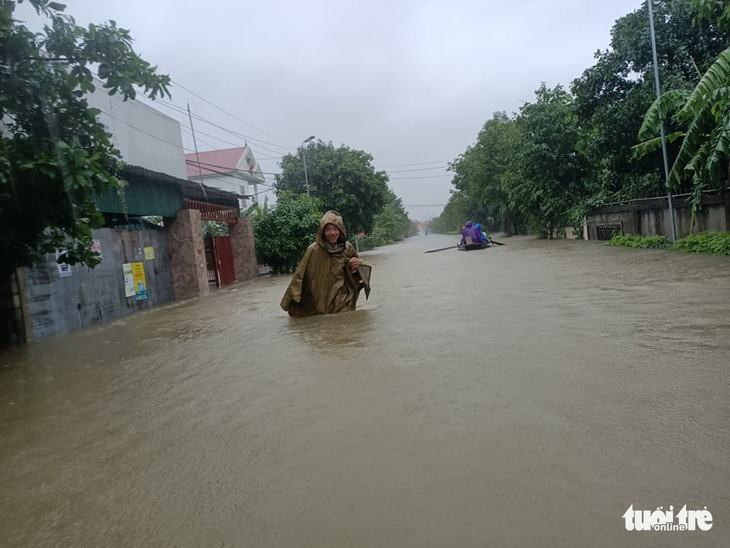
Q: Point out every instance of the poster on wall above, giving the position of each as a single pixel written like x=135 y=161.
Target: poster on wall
x=64 y=270
x=128 y=280
x=149 y=253
x=140 y=282
x=96 y=247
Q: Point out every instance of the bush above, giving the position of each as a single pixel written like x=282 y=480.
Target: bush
x=714 y=243
x=284 y=232
x=639 y=242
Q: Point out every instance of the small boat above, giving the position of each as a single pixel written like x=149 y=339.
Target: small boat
x=470 y=245
x=473 y=246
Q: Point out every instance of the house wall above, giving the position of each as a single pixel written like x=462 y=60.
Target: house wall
x=651 y=217
x=224 y=182
x=91 y=296
x=145 y=137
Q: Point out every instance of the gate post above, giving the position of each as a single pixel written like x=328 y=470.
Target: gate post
x=187 y=254
x=244 y=249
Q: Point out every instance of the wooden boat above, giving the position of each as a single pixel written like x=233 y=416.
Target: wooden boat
x=471 y=246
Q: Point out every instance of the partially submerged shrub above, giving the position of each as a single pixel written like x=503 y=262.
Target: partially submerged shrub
x=714 y=243
x=639 y=242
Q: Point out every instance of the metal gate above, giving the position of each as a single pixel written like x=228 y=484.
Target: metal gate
x=224 y=255
x=219 y=260
x=211 y=263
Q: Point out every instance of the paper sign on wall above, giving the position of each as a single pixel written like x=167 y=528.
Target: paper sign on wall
x=140 y=282
x=149 y=253
x=128 y=280
x=64 y=270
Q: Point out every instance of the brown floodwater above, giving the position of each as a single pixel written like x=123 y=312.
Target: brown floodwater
x=522 y=395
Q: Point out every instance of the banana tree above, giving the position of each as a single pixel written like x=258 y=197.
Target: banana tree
x=703 y=113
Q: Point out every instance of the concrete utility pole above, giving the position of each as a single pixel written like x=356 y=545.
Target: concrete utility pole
x=304 y=159
x=650 y=3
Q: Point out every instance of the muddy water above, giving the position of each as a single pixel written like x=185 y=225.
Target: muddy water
x=523 y=395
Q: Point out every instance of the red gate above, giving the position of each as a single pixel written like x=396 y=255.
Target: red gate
x=223 y=253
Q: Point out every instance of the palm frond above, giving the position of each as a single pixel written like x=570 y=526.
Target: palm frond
x=661 y=109
x=644 y=148
x=716 y=78
x=690 y=154
x=719 y=150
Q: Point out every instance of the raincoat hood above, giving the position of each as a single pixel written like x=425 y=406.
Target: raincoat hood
x=331 y=217
x=468 y=224
x=323 y=282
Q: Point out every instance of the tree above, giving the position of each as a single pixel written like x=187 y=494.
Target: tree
x=342 y=179
x=54 y=154
x=551 y=174
x=283 y=232
x=703 y=113
x=455 y=214
x=484 y=173
x=612 y=96
x=392 y=223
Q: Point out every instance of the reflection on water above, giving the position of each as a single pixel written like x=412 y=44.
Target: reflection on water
x=334 y=335
x=522 y=395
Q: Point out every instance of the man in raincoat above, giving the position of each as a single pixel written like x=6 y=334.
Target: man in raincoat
x=330 y=276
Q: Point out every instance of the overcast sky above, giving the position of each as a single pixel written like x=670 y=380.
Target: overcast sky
x=409 y=81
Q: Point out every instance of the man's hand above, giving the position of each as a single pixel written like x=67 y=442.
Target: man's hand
x=354 y=263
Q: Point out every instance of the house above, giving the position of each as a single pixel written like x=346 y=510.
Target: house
x=231 y=169
x=152 y=246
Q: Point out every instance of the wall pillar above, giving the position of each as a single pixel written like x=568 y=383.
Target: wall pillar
x=244 y=249
x=187 y=254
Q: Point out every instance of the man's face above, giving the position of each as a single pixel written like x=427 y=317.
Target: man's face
x=331 y=233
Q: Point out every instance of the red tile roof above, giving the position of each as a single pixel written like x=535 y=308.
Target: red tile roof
x=214 y=162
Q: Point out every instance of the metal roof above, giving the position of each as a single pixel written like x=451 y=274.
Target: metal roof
x=153 y=193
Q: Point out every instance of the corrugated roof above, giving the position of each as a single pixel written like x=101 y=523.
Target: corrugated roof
x=214 y=162
x=153 y=193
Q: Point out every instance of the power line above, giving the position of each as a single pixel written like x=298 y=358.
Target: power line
x=418 y=164
x=225 y=173
x=234 y=133
x=232 y=115
x=418 y=169
x=417 y=178
x=424 y=205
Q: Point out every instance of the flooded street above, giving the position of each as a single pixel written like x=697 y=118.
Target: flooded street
x=522 y=395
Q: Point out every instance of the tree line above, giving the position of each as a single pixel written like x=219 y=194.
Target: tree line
x=339 y=178
x=597 y=141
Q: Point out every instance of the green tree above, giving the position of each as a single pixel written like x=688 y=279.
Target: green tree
x=702 y=114
x=54 y=154
x=284 y=231
x=612 y=96
x=392 y=223
x=455 y=214
x=485 y=173
x=342 y=179
x=552 y=171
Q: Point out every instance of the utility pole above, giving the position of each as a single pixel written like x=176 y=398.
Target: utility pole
x=650 y=3
x=304 y=159
x=197 y=157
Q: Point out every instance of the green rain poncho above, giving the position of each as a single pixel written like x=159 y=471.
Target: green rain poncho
x=323 y=282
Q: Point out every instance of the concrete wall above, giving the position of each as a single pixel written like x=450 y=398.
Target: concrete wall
x=91 y=296
x=651 y=217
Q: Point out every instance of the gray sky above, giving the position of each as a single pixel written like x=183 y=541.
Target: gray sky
x=409 y=81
